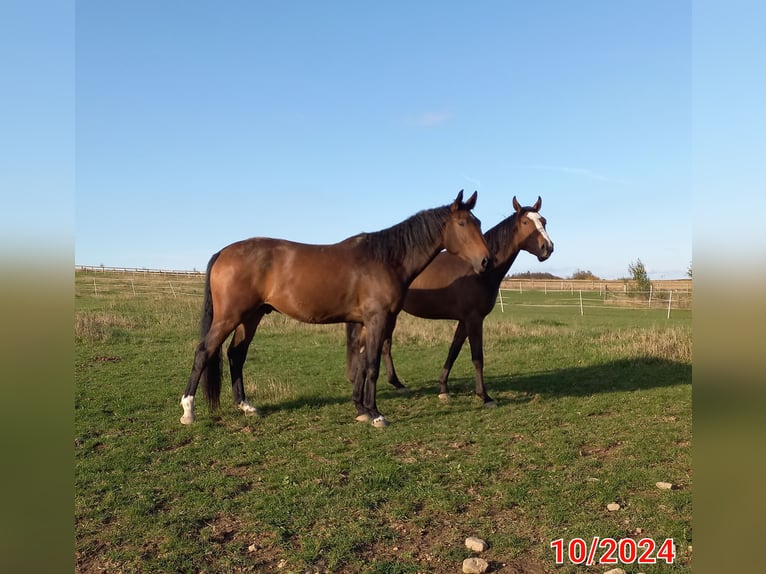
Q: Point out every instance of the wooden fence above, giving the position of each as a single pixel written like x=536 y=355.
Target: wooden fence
x=677 y=294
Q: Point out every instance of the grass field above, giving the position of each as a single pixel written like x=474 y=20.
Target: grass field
x=593 y=409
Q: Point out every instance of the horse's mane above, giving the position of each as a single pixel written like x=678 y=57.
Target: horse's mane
x=412 y=234
x=501 y=234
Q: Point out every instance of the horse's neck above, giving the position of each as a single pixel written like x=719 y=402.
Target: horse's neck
x=418 y=259
x=411 y=245
x=505 y=250
x=502 y=266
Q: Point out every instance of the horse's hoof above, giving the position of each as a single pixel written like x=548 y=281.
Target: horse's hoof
x=403 y=390
x=490 y=405
x=380 y=422
x=187 y=404
x=363 y=418
x=248 y=409
x=444 y=397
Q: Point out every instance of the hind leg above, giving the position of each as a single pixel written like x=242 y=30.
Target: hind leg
x=475 y=339
x=207 y=353
x=454 y=350
x=393 y=378
x=237 y=353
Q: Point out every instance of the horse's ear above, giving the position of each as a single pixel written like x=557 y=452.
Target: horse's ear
x=471 y=203
x=458 y=201
x=538 y=204
x=516 y=205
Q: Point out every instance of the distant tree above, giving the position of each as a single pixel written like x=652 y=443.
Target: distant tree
x=530 y=275
x=689 y=271
x=639 y=276
x=587 y=275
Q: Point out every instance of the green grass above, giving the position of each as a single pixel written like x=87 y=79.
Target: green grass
x=593 y=409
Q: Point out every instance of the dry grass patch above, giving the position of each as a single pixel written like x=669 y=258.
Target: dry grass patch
x=672 y=343
x=267 y=390
x=99 y=325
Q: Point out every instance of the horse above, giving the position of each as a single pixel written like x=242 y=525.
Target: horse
x=362 y=279
x=447 y=289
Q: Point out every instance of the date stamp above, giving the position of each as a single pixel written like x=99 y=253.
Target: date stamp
x=611 y=551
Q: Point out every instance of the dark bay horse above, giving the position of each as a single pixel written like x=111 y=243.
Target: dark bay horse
x=362 y=279
x=447 y=289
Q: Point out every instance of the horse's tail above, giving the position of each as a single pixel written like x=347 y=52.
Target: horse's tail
x=211 y=374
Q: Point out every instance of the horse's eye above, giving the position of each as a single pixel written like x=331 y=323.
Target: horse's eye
x=461 y=224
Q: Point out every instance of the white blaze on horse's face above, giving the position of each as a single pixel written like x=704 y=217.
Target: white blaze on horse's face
x=547 y=249
x=538 y=221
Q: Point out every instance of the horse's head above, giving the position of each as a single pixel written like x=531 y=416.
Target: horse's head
x=462 y=234
x=532 y=235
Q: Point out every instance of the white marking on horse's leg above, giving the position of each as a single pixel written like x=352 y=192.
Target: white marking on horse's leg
x=248 y=409
x=535 y=217
x=363 y=418
x=444 y=397
x=379 y=422
x=187 y=403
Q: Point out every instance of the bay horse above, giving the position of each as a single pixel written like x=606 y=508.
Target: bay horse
x=447 y=289
x=362 y=279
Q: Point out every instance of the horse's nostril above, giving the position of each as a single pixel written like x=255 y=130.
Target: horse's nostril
x=485 y=263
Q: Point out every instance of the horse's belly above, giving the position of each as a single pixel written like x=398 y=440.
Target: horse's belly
x=311 y=307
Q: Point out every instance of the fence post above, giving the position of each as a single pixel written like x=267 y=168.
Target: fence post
x=581 y=312
x=171 y=288
x=95 y=289
x=650 y=296
x=500 y=293
x=670 y=300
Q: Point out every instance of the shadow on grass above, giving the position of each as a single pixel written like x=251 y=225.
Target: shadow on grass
x=624 y=375
x=617 y=376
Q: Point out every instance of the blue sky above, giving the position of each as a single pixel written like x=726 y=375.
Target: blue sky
x=201 y=123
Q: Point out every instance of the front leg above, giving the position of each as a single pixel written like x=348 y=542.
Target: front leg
x=355 y=339
x=378 y=328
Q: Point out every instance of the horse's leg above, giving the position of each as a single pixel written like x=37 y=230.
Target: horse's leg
x=390 y=370
x=355 y=367
x=237 y=353
x=377 y=329
x=454 y=350
x=475 y=339
x=354 y=347
x=357 y=396
x=209 y=348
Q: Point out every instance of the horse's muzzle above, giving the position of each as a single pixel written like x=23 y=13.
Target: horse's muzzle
x=483 y=265
x=545 y=251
